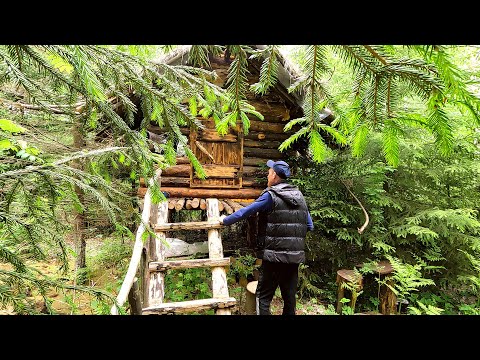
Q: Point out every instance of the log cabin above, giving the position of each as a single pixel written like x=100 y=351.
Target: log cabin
x=235 y=164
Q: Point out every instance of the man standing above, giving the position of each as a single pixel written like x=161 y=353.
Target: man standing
x=283 y=223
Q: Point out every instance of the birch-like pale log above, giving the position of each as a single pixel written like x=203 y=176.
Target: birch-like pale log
x=191 y=306
x=137 y=250
x=156 y=286
x=177 y=247
x=215 y=250
x=187 y=264
x=192 y=225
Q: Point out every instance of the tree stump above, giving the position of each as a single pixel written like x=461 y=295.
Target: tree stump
x=250 y=301
x=350 y=279
x=387 y=298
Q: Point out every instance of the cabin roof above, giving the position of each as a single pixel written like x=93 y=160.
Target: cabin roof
x=288 y=73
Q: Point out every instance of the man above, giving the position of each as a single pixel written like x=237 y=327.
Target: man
x=282 y=227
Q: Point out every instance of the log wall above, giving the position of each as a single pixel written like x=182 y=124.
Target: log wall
x=259 y=145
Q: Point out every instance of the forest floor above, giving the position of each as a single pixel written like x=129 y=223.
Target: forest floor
x=80 y=303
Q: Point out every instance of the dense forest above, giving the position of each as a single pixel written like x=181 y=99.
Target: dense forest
x=401 y=151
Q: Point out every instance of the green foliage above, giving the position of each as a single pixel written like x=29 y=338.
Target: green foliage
x=423 y=212
x=41 y=179
x=268 y=71
x=403 y=139
x=384 y=77
x=114 y=254
x=243 y=266
x=188 y=284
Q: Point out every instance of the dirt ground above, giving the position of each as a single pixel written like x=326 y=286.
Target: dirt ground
x=80 y=303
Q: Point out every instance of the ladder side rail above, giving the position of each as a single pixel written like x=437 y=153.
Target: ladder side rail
x=137 y=250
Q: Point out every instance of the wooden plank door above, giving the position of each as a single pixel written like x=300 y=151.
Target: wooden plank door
x=220 y=156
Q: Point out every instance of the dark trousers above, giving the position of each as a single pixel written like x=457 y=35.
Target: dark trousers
x=272 y=275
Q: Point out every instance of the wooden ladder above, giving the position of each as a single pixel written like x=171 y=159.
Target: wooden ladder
x=154 y=265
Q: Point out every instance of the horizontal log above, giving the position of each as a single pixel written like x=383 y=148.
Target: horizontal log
x=212 y=171
x=177 y=247
x=175 y=181
x=261 y=143
x=269 y=136
x=183 y=307
x=255 y=125
x=191 y=225
x=182 y=170
x=212 y=135
x=187 y=264
x=254 y=182
x=244 y=193
x=272 y=110
x=158 y=130
x=260 y=152
x=182 y=160
x=255 y=161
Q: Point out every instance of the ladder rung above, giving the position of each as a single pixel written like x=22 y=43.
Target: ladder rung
x=192 y=225
x=187 y=264
x=189 y=306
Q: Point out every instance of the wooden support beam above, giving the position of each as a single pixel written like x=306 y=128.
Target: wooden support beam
x=175 y=181
x=183 y=307
x=191 y=225
x=215 y=251
x=187 y=264
x=156 y=284
x=262 y=144
x=245 y=193
x=182 y=170
x=260 y=152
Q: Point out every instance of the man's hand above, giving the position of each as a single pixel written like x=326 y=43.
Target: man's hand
x=220 y=219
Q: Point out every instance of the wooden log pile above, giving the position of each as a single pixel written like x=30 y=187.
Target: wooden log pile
x=226 y=206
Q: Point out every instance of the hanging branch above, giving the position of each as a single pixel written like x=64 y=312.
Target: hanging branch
x=367 y=219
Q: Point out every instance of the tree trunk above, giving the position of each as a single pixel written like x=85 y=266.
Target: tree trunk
x=79 y=219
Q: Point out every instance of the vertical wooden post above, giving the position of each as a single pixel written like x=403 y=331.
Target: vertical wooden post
x=215 y=250
x=388 y=299
x=134 y=299
x=156 y=286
